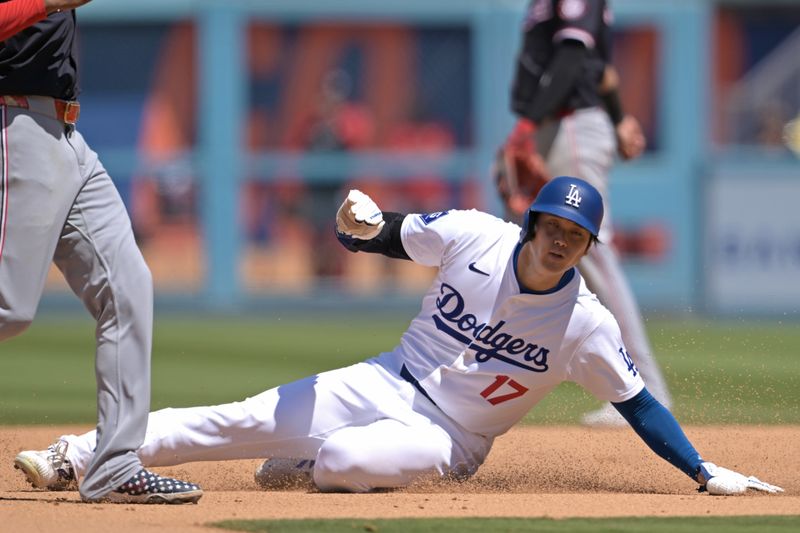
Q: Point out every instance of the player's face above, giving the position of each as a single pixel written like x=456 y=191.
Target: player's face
x=557 y=246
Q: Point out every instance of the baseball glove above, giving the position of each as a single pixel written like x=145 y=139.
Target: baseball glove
x=518 y=176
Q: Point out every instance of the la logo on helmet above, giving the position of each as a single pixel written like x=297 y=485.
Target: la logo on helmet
x=573 y=197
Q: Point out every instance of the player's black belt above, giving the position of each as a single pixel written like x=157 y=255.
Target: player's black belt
x=406 y=375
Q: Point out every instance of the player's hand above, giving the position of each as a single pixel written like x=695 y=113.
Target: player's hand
x=359 y=217
x=60 y=5
x=723 y=482
x=630 y=138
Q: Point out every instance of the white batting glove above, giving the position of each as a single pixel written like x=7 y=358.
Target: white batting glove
x=723 y=482
x=359 y=216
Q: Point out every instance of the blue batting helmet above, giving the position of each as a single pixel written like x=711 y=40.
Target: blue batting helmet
x=570 y=198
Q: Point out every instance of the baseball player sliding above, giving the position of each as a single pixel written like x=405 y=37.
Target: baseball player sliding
x=507 y=318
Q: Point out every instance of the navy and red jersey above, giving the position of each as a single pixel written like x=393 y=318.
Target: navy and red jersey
x=548 y=25
x=42 y=59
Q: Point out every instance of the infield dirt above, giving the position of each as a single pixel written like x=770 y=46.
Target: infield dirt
x=555 y=472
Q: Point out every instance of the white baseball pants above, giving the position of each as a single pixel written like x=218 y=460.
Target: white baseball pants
x=365 y=426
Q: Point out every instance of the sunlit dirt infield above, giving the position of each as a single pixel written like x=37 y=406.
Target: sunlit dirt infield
x=552 y=472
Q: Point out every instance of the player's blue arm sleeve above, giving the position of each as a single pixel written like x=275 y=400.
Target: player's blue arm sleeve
x=388 y=242
x=659 y=429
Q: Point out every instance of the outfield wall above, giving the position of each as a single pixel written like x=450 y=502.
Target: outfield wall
x=204 y=128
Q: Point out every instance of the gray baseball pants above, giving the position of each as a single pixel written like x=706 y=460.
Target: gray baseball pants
x=583 y=145
x=59 y=205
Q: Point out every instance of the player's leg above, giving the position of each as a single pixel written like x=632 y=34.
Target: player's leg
x=292 y=420
x=384 y=454
x=38 y=179
x=414 y=440
x=102 y=264
x=583 y=145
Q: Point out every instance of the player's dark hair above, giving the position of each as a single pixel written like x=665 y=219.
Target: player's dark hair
x=531 y=227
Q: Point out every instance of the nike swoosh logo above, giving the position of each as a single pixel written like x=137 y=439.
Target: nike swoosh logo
x=475 y=269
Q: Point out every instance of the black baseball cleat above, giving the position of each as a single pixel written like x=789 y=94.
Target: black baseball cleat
x=149 y=487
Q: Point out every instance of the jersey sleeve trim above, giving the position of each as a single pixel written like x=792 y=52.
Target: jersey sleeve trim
x=407 y=238
x=17 y=15
x=631 y=393
x=575 y=34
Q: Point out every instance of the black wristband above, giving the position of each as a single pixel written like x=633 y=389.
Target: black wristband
x=613 y=106
x=387 y=242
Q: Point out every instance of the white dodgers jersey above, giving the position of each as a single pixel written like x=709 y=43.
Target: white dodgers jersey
x=484 y=350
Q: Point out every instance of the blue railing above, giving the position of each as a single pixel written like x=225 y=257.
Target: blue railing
x=662 y=185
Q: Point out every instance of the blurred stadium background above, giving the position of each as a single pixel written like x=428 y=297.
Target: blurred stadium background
x=234 y=128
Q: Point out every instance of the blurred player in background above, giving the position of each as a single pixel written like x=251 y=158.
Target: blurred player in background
x=565 y=91
x=58 y=204
x=507 y=318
